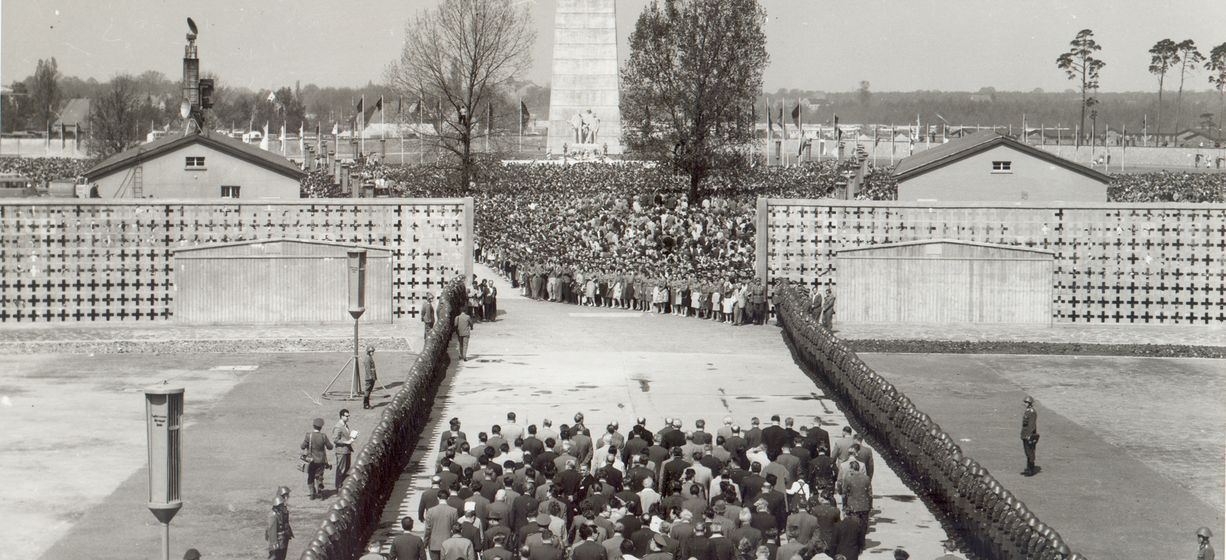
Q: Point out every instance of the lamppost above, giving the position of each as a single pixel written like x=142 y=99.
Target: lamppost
x=356 y=266
x=357 y=306
x=163 y=421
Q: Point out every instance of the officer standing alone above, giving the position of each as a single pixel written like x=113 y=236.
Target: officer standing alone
x=371 y=376
x=1030 y=436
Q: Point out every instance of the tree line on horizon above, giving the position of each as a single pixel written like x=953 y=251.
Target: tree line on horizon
x=672 y=108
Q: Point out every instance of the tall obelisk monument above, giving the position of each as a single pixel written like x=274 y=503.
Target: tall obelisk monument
x=583 y=101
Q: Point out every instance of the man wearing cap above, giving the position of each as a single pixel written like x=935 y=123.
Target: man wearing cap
x=278 y=533
x=407 y=546
x=499 y=549
x=1030 y=435
x=371 y=375
x=471 y=527
x=658 y=548
x=429 y=497
x=315 y=446
x=543 y=544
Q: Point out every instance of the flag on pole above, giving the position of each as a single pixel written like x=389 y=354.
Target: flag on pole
x=838 y=132
x=524 y=116
x=783 y=126
x=399 y=105
x=336 y=128
x=770 y=120
x=359 y=108
x=796 y=115
x=379 y=104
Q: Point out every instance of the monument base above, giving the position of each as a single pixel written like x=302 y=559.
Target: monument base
x=586 y=152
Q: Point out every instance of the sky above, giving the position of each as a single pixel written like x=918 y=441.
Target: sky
x=826 y=45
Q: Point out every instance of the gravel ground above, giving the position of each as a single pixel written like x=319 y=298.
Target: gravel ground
x=1041 y=348
x=215 y=346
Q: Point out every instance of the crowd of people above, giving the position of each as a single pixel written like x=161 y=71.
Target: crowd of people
x=770 y=491
x=1167 y=186
x=43 y=170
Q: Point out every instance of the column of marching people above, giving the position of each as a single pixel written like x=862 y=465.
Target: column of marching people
x=768 y=491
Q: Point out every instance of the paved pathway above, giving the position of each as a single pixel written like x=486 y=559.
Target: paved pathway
x=546 y=360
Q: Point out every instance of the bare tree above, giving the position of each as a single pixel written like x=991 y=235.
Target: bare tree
x=115 y=118
x=1164 y=56
x=1189 y=59
x=458 y=57
x=1083 y=67
x=45 y=91
x=1216 y=65
x=689 y=86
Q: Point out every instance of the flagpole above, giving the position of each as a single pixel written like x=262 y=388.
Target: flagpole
x=362 y=126
x=421 y=143
x=770 y=135
x=519 y=144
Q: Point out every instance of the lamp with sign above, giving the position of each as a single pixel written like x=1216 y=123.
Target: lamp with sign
x=356 y=280
x=163 y=421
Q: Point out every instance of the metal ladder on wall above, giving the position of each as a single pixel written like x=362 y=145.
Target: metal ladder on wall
x=138 y=182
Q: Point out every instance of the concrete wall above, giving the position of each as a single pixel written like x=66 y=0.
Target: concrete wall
x=277 y=283
x=107 y=260
x=585 y=73
x=944 y=283
x=1030 y=179
x=166 y=176
x=1157 y=263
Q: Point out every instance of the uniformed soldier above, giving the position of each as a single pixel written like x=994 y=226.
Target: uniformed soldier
x=278 y=532
x=1206 y=550
x=1030 y=435
x=371 y=375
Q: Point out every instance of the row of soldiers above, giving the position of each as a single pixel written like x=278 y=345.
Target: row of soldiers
x=771 y=487
x=997 y=524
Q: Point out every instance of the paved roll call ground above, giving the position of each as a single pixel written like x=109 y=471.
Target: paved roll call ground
x=75 y=456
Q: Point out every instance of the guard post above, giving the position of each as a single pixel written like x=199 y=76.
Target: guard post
x=164 y=421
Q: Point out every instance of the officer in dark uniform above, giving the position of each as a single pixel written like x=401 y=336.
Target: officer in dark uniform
x=1030 y=435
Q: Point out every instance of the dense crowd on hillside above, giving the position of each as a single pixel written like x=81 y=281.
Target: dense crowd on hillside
x=42 y=170
x=1167 y=186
